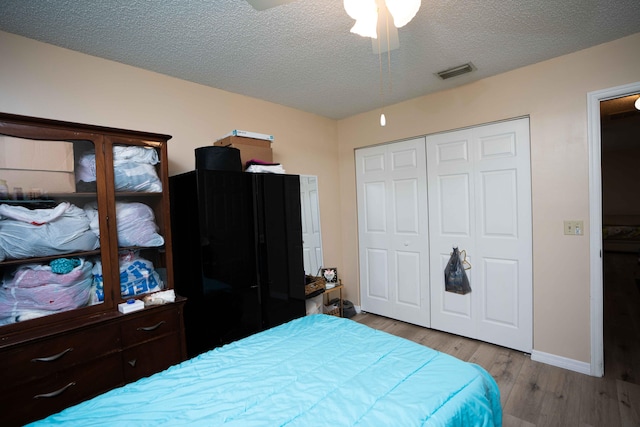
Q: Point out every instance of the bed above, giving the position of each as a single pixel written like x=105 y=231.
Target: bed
x=313 y=371
x=621 y=233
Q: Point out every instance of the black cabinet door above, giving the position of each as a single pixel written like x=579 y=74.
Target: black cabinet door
x=186 y=226
x=279 y=237
x=215 y=267
x=230 y=285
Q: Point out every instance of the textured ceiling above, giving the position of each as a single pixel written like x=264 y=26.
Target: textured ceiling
x=302 y=54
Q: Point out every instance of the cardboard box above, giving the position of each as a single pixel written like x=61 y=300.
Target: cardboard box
x=247 y=134
x=33 y=164
x=250 y=148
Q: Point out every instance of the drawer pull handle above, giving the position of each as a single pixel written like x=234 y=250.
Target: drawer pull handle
x=52 y=358
x=54 y=393
x=151 y=328
x=132 y=362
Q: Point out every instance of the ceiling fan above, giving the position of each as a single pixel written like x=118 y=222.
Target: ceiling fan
x=387 y=35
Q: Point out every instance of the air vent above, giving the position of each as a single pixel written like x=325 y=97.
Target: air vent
x=456 y=71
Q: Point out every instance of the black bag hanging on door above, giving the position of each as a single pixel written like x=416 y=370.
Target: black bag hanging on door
x=455 y=278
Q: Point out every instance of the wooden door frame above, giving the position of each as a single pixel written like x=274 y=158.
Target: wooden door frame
x=595 y=219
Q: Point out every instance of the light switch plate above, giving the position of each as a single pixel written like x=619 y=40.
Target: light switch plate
x=574 y=228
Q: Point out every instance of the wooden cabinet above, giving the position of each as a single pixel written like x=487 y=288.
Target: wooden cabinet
x=45 y=375
x=40 y=358
x=151 y=343
x=84 y=226
x=58 y=386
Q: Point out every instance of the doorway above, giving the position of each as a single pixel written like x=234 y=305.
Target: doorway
x=620 y=127
x=599 y=248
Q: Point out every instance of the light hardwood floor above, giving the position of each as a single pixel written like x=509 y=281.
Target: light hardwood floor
x=536 y=394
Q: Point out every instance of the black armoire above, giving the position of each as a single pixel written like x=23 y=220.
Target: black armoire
x=237 y=250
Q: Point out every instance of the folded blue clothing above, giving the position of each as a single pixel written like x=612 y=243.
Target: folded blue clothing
x=64 y=265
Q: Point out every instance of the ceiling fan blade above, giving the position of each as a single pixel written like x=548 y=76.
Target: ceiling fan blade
x=385 y=26
x=267 y=4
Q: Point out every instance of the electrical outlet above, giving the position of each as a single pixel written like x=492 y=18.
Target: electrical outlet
x=574 y=228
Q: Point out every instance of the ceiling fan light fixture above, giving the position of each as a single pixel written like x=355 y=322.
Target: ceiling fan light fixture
x=365 y=12
x=403 y=11
x=637 y=103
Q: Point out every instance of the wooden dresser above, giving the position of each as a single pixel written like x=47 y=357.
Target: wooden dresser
x=63 y=339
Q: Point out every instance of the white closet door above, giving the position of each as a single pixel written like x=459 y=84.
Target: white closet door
x=393 y=231
x=480 y=201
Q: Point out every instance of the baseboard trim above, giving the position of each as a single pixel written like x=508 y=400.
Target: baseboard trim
x=561 y=362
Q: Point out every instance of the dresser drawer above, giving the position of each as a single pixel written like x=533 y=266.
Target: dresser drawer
x=43 y=358
x=42 y=397
x=148 y=325
x=151 y=357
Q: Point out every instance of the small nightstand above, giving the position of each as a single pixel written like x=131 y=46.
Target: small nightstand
x=339 y=310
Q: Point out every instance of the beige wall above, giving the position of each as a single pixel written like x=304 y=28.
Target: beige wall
x=41 y=80
x=554 y=94
x=45 y=81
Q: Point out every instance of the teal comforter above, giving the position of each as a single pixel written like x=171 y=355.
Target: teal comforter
x=313 y=371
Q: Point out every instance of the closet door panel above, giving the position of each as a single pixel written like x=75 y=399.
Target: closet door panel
x=451 y=224
x=393 y=230
x=488 y=216
x=375 y=197
x=504 y=241
x=407 y=275
x=500 y=302
x=453 y=202
x=374 y=272
x=499 y=204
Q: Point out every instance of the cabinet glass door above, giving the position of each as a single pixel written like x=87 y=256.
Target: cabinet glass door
x=49 y=228
x=140 y=217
